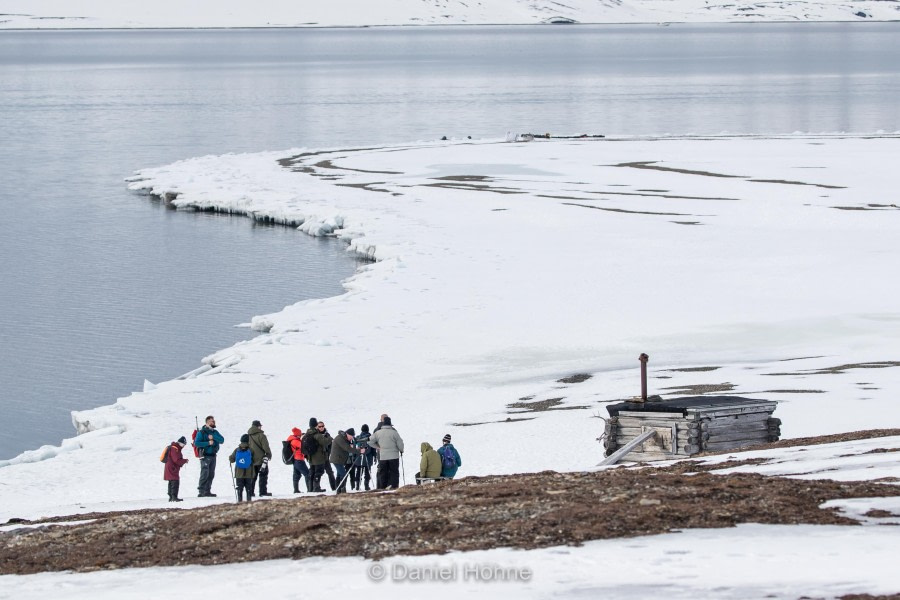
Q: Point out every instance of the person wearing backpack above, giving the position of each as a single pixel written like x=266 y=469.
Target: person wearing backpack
x=298 y=460
x=315 y=442
x=174 y=461
x=450 y=460
x=259 y=446
x=208 y=441
x=362 y=462
x=389 y=445
x=244 y=471
x=430 y=465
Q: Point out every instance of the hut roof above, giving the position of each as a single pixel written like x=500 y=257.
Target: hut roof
x=687 y=404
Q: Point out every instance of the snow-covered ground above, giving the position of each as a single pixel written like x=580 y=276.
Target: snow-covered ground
x=748 y=562
x=502 y=268
x=54 y=14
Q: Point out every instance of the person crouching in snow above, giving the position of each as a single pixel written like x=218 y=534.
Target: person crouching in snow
x=450 y=460
x=430 y=465
x=174 y=461
x=242 y=458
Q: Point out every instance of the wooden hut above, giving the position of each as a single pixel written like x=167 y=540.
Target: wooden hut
x=665 y=429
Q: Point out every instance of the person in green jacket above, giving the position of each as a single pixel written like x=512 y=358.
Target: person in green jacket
x=430 y=465
x=318 y=459
x=262 y=454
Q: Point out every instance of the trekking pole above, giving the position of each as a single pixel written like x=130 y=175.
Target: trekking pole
x=233 y=482
x=403 y=468
x=344 y=478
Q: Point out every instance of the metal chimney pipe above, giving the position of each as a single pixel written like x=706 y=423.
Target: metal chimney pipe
x=643 y=358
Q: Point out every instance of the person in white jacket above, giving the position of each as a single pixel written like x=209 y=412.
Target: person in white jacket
x=390 y=448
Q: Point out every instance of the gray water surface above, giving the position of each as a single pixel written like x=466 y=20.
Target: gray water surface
x=101 y=288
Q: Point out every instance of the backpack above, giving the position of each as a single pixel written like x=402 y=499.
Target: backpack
x=164 y=457
x=308 y=444
x=243 y=459
x=287 y=453
x=448 y=461
x=198 y=451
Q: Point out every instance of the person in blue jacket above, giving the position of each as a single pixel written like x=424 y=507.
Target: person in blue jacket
x=208 y=440
x=450 y=460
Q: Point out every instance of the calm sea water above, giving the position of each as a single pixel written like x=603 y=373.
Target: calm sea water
x=101 y=288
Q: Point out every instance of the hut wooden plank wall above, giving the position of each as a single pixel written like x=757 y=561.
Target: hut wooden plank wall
x=688 y=426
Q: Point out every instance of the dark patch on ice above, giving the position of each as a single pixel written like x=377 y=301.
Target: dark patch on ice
x=788 y=182
x=577 y=378
x=840 y=369
x=693 y=369
x=474 y=188
x=366 y=186
x=463 y=178
x=328 y=164
x=651 y=165
x=630 y=212
x=699 y=389
x=869 y=207
x=687 y=222
x=671 y=196
x=506 y=420
x=882 y=451
x=654 y=167
x=542 y=406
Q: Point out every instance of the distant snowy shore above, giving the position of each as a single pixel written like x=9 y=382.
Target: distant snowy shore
x=98 y=14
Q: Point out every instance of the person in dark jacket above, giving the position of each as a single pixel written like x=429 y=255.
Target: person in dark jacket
x=389 y=445
x=318 y=459
x=450 y=460
x=299 y=460
x=430 y=465
x=341 y=451
x=243 y=476
x=174 y=461
x=380 y=423
x=259 y=446
x=208 y=440
x=362 y=462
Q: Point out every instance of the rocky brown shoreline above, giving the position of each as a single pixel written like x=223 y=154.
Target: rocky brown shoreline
x=523 y=511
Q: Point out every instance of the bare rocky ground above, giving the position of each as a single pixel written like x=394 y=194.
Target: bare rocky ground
x=523 y=511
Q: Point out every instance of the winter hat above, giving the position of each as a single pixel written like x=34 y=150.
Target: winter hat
x=365 y=428
x=182 y=440
x=313 y=422
x=447 y=439
x=245 y=439
x=256 y=424
x=351 y=431
x=387 y=421
x=296 y=431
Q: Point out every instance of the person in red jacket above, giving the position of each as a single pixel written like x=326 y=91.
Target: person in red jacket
x=174 y=462
x=300 y=468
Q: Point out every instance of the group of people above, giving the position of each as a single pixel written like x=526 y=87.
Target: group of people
x=313 y=454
